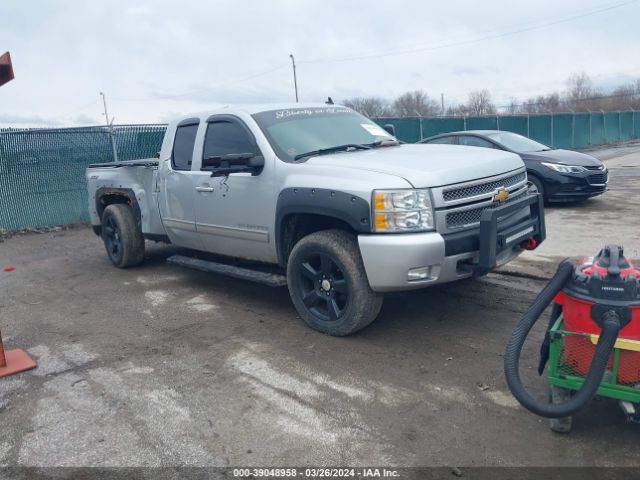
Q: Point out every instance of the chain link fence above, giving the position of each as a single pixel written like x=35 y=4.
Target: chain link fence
x=560 y=130
x=42 y=171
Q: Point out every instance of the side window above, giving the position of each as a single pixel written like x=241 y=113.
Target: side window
x=183 y=147
x=475 y=142
x=451 y=140
x=224 y=137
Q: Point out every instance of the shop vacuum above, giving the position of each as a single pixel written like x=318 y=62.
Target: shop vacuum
x=592 y=343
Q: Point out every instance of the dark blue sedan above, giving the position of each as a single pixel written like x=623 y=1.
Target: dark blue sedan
x=559 y=175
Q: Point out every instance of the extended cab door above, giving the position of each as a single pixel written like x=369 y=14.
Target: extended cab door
x=177 y=187
x=234 y=213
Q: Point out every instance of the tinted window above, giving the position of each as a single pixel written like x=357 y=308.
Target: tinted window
x=475 y=142
x=224 y=137
x=183 y=147
x=445 y=140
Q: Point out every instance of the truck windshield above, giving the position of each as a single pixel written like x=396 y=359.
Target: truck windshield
x=297 y=131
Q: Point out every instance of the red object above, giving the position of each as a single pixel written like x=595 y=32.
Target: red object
x=576 y=312
x=529 y=244
x=6 y=69
x=9 y=269
x=14 y=361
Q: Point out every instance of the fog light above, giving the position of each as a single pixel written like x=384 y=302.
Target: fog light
x=421 y=273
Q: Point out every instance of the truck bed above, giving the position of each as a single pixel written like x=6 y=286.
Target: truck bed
x=143 y=162
x=135 y=179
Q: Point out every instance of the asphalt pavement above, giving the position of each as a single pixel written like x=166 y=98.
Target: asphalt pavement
x=160 y=365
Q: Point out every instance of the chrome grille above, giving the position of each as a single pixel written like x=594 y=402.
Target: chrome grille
x=482 y=188
x=464 y=218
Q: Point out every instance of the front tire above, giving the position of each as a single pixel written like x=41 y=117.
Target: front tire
x=536 y=185
x=328 y=284
x=122 y=237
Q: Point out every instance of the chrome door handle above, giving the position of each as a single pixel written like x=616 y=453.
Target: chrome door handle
x=204 y=189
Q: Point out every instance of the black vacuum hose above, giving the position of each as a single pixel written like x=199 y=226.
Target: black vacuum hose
x=608 y=336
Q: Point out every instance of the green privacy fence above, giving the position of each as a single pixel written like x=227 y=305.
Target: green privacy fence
x=560 y=130
x=42 y=178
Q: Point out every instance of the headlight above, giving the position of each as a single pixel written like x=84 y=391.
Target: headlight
x=402 y=211
x=564 y=168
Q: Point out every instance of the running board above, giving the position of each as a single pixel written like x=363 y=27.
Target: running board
x=257 y=276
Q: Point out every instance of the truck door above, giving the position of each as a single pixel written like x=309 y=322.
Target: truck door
x=177 y=188
x=234 y=213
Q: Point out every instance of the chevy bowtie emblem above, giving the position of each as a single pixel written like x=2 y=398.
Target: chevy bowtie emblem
x=501 y=195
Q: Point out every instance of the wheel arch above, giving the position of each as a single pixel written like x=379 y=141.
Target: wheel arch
x=301 y=211
x=106 y=196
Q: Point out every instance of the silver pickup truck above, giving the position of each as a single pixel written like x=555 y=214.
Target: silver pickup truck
x=342 y=210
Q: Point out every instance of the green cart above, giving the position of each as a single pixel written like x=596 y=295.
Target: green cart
x=571 y=352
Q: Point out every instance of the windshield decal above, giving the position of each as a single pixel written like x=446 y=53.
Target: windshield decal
x=307 y=112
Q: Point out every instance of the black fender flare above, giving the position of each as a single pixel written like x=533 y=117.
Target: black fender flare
x=349 y=208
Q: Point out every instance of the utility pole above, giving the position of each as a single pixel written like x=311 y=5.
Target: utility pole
x=110 y=125
x=442 y=102
x=295 y=80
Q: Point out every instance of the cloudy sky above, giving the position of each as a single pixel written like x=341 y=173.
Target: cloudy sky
x=156 y=59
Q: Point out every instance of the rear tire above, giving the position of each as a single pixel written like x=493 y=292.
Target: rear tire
x=122 y=237
x=328 y=283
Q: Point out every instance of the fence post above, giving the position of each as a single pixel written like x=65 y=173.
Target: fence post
x=421 y=136
x=589 y=127
x=573 y=129
x=604 y=127
x=619 y=126
x=552 y=130
x=497 y=122
x=528 y=123
x=464 y=122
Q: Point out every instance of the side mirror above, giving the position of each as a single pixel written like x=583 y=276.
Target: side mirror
x=390 y=129
x=222 y=165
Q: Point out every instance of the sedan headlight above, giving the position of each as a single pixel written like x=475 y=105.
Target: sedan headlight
x=564 y=168
x=402 y=211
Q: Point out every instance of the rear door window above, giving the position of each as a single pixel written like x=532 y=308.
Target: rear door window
x=183 y=147
x=450 y=140
x=471 y=141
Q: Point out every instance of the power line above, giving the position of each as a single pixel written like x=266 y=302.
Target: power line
x=464 y=42
x=207 y=88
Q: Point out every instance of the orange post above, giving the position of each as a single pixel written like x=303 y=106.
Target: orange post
x=14 y=361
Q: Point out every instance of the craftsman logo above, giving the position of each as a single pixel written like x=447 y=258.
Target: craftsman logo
x=613 y=289
x=501 y=195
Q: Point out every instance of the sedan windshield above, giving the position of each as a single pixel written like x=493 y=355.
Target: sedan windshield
x=517 y=143
x=305 y=132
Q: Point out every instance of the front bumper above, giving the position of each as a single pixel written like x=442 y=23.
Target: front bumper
x=569 y=187
x=388 y=258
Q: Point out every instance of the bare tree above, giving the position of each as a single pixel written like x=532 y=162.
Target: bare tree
x=543 y=104
x=415 y=104
x=579 y=91
x=372 y=107
x=513 y=107
x=479 y=103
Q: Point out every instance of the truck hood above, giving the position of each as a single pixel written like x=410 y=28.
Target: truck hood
x=426 y=165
